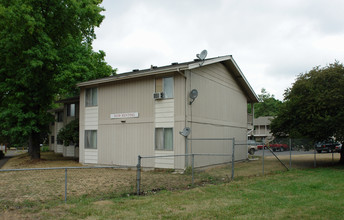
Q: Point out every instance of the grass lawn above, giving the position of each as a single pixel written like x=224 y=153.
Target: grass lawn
x=303 y=194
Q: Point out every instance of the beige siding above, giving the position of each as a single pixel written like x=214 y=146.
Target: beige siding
x=179 y=120
x=125 y=97
x=121 y=144
x=220 y=99
x=179 y=145
x=220 y=111
x=164 y=162
x=120 y=141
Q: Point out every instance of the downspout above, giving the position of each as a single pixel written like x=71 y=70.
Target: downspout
x=181 y=73
x=185 y=112
x=252 y=107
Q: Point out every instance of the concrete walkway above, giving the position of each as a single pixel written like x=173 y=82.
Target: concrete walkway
x=3 y=161
x=9 y=154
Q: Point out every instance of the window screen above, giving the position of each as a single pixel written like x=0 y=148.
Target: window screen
x=71 y=110
x=164 y=138
x=91 y=139
x=165 y=85
x=91 y=97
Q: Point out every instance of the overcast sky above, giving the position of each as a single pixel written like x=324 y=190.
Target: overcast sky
x=272 y=41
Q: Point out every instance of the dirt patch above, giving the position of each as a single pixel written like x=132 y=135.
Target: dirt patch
x=103 y=203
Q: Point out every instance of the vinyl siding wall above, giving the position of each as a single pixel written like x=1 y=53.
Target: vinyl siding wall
x=120 y=141
x=220 y=111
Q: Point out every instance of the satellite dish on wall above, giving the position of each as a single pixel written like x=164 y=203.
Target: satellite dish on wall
x=185 y=132
x=202 y=55
x=193 y=95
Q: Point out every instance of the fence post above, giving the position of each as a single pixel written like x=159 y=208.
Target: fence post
x=65 y=185
x=263 y=157
x=332 y=157
x=290 y=153
x=192 y=167
x=315 y=158
x=138 y=175
x=233 y=158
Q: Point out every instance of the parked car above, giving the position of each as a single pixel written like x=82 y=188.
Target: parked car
x=260 y=147
x=338 y=148
x=279 y=147
x=328 y=146
x=251 y=146
x=1 y=154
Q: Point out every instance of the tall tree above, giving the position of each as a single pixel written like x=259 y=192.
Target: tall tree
x=314 y=106
x=45 y=48
x=268 y=105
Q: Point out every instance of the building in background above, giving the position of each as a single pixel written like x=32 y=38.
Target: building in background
x=261 y=129
x=67 y=112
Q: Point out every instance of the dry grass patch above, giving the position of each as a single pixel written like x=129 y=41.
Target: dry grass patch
x=48 y=159
x=23 y=188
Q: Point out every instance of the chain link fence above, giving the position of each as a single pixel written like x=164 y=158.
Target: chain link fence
x=61 y=184
x=22 y=186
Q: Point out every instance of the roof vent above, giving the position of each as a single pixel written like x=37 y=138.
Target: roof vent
x=175 y=63
x=136 y=70
x=153 y=67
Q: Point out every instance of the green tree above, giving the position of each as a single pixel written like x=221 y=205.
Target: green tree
x=45 y=48
x=314 y=106
x=268 y=105
x=70 y=133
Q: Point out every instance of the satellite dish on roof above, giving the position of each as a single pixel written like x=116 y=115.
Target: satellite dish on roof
x=202 y=55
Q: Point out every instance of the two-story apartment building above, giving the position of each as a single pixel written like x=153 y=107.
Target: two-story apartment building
x=67 y=112
x=143 y=112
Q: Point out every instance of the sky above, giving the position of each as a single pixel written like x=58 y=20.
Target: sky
x=272 y=41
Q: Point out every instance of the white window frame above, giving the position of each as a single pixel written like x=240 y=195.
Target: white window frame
x=89 y=134
x=164 y=147
x=89 y=97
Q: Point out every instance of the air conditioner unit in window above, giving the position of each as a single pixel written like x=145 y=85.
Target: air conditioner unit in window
x=158 y=95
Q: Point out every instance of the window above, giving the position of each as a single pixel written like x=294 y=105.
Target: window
x=91 y=97
x=59 y=116
x=165 y=85
x=164 y=139
x=71 y=110
x=52 y=139
x=91 y=139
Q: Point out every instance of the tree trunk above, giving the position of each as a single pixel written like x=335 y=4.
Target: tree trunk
x=34 y=147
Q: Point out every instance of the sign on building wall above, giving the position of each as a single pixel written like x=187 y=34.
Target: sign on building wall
x=125 y=115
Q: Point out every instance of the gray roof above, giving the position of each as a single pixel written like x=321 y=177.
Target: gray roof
x=227 y=61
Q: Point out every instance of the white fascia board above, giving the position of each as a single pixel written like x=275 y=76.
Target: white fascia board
x=132 y=76
x=244 y=78
x=208 y=62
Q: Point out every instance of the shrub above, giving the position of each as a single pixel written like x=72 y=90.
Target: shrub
x=70 y=133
